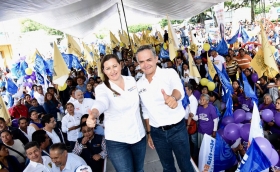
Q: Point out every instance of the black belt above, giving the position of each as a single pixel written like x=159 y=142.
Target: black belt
x=168 y=127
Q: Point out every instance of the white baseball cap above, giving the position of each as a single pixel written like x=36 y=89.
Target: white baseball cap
x=83 y=168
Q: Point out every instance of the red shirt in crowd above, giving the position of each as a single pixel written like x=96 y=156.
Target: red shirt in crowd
x=18 y=111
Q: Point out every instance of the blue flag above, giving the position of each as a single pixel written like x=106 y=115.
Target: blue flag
x=255 y=160
x=41 y=66
x=11 y=86
x=164 y=54
x=77 y=65
x=226 y=86
x=245 y=37
x=22 y=67
x=235 y=37
x=102 y=48
x=68 y=58
x=39 y=78
x=224 y=158
x=221 y=48
x=15 y=70
x=50 y=65
x=185 y=101
x=249 y=92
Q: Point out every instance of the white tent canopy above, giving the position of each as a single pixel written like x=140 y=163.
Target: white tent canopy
x=81 y=17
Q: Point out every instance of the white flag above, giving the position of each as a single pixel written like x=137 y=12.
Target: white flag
x=256 y=129
x=206 y=154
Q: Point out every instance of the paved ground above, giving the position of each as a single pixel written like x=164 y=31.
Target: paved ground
x=152 y=163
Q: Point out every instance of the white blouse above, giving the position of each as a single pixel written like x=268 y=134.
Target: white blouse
x=122 y=120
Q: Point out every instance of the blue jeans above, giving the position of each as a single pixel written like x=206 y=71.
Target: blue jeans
x=194 y=140
x=127 y=157
x=174 y=140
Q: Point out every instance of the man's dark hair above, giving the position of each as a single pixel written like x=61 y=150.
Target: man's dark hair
x=50 y=88
x=21 y=118
x=39 y=136
x=2 y=119
x=46 y=119
x=145 y=47
x=71 y=90
x=59 y=146
x=30 y=145
x=190 y=87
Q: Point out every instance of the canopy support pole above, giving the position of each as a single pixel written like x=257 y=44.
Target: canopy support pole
x=126 y=23
x=120 y=16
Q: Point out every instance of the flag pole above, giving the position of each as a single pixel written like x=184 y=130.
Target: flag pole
x=119 y=15
x=126 y=23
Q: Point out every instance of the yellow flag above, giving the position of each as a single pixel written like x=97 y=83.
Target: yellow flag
x=258 y=63
x=145 y=39
x=114 y=40
x=60 y=69
x=173 y=42
x=96 y=56
x=194 y=74
x=211 y=68
x=87 y=53
x=3 y=110
x=73 y=47
x=108 y=50
x=136 y=40
x=160 y=38
x=124 y=39
x=270 y=73
x=268 y=54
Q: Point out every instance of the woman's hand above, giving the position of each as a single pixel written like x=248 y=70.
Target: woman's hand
x=91 y=120
x=96 y=157
x=85 y=140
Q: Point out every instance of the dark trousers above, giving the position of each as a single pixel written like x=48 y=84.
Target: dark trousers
x=174 y=140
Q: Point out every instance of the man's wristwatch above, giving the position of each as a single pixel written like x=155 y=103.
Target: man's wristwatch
x=148 y=132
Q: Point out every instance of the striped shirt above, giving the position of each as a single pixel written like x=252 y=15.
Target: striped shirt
x=243 y=62
x=232 y=67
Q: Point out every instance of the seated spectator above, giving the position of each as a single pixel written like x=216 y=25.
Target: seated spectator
x=51 y=105
x=89 y=92
x=39 y=95
x=267 y=103
x=53 y=132
x=262 y=88
x=8 y=163
x=35 y=121
x=91 y=147
x=15 y=146
x=273 y=88
x=25 y=129
x=214 y=99
x=37 y=161
x=98 y=129
x=81 y=85
x=43 y=140
x=64 y=161
x=245 y=103
x=27 y=100
x=82 y=105
x=17 y=134
x=18 y=110
x=35 y=106
x=71 y=124
x=72 y=97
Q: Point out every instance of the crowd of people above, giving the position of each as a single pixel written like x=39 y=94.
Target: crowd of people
x=61 y=130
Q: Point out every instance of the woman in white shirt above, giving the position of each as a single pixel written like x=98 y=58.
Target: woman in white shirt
x=15 y=147
x=185 y=73
x=70 y=124
x=118 y=99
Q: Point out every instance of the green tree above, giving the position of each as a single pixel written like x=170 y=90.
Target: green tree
x=138 y=28
x=164 y=22
x=28 y=25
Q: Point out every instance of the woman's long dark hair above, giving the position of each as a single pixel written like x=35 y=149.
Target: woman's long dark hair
x=106 y=79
